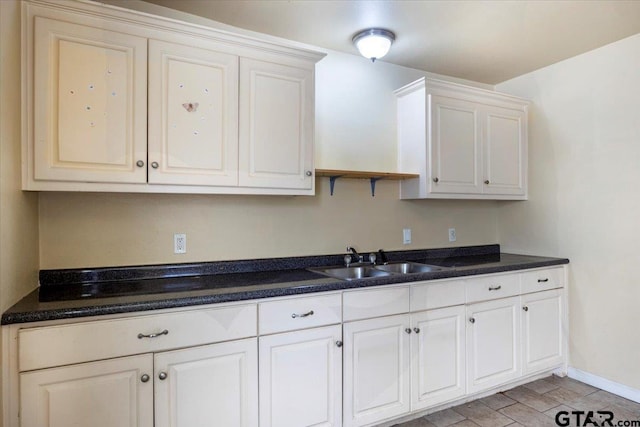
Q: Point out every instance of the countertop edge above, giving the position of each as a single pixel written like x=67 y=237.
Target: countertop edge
x=17 y=317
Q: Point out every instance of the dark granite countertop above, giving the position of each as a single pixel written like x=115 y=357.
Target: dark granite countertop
x=76 y=293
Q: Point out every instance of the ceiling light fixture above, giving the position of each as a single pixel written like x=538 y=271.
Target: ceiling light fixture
x=373 y=43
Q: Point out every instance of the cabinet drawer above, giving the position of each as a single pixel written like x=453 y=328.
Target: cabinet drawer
x=541 y=280
x=425 y=296
x=487 y=288
x=103 y=339
x=299 y=313
x=375 y=303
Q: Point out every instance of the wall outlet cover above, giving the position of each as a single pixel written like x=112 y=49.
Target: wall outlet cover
x=452 y=234
x=179 y=243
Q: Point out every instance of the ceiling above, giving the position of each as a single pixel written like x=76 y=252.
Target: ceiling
x=479 y=40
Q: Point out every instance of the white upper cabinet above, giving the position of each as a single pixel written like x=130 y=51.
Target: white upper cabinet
x=465 y=142
x=89 y=96
x=224 y=113
x=193 y=115
x=276 y=125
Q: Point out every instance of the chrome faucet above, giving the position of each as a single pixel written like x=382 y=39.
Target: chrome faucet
x=355 y=254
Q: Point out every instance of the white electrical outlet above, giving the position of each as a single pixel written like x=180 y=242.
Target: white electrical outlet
x=452 y=234
x=179 y=243
x=406 y=236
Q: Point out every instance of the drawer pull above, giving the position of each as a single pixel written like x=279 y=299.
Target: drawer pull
x=155 y=335
x=408 y=330
x=543 y=280
x=339 y=343
x=495 y=288
x=472 y=320
x=416 y=330
x=525 y=308
x=295 y=315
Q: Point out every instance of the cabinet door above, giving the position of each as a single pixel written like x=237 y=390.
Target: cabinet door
x=493 y=343
x=193 y=115
x=209 y=385
x=376 y=369
x=542 y=330
x=455 y=146
x=90 y=104
x=276 y=125
x=98 y=394
x=438 y=362
x=505 y=162
x=301 y=378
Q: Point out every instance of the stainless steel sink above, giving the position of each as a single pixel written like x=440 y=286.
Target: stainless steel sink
x=351 y=273
x=407 y=267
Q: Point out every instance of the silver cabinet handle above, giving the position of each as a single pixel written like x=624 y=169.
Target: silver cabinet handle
x=525 y=308
x=339 y=343
x=308 y=173
x=140 y=163
x=162 y=376
x=436 y=180
x=416 y=330
x=309 y=313
x=487 y=182
x=155 y=165
x=408 y=330
x=154 y=335
x=472 y=320
x=495 y=288
x=144 y=378
x=545 y=280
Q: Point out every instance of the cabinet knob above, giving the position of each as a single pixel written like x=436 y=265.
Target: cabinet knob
x=487 y=182
x=408 y=330
x=162 y=375
x=144 y=378
x=436 y=180
x=155 y=165
x=472 y=320
x=140 y=163
x=525 y=308
x=308 y=173
x=416 y=330
x=338 y=343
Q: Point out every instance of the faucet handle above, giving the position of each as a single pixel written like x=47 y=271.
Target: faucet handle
x=372 y=258
x=347 y=260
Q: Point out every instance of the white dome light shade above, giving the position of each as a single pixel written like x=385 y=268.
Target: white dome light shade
x=374 y=43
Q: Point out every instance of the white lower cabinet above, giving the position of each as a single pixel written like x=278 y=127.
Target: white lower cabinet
x=107 y=393
x=493 y=343
x=542 y=336
x=301 y=378
x=209 y=385
x=438 y=356
x=376 y=369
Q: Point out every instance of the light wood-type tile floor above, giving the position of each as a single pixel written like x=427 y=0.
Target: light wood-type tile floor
x=538 y=404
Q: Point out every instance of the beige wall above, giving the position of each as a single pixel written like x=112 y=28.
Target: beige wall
x=18 y=211
x=584 y=162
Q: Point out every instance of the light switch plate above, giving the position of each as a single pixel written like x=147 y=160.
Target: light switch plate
x=406 y=236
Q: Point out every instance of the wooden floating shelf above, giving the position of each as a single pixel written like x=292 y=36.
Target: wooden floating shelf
x=334 y=174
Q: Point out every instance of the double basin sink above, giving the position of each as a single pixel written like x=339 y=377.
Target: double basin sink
x=367 y=271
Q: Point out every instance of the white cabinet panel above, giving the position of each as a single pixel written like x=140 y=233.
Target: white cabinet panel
x=276 y=125
x=193 y=115
x=504 y=151
x=301 y=378
x=455 y=146
x=209 y=385
x=98 y=394
x=438 y=356
x=542 y=335
x=493 y=343
x=376 y=369
x=90 y=104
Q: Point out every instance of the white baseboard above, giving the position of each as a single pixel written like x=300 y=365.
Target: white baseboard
x=605 y=384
